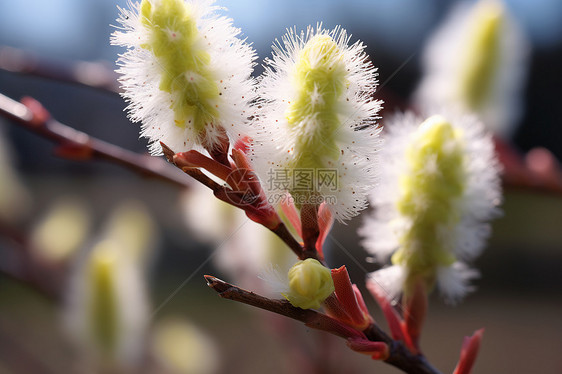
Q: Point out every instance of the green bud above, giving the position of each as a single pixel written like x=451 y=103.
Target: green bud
x=310 y=283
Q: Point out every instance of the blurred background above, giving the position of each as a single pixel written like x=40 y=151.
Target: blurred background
x=519 y=294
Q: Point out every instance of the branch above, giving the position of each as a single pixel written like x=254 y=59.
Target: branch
x=76 y=145
x=309 y=317
x=97 y=75
x=20 y=265
x=399 y=356
x=537 y=171
x=257 y=208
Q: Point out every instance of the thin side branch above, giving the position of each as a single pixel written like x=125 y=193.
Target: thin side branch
x=309 y=317
x=230 y=197
x=77 y=145
x=96 y=75
x=519 y=174
x=18 y=263
x=399 y=357
x=538 y=171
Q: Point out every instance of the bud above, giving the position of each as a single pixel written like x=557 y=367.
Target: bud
x=310 y=283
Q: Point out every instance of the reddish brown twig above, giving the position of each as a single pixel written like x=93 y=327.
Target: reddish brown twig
x=97 y=75
x=308 y=316
x=538 y=171
x=79 y=146
x=399 y=355
x=19 y=264
x=256 y=207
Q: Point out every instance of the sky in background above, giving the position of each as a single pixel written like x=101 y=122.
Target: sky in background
x=393 y=30
x=80 y=29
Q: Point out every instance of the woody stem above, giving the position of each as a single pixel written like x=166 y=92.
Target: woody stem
x=399 y=357
x=36 y=119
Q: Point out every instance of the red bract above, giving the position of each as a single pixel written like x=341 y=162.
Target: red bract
x=243 y=191
x=414 y=312
x=348 y=305
x=469 y=351
x=377 y=350
x=290 y=211
x=325 y=222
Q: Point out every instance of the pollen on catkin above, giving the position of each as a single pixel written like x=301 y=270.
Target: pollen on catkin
x=185 y=74
x=438 y=187
x=315 y=124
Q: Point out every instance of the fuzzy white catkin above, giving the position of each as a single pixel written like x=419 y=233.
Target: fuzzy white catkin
x=447 y=53
x=219 y=82
x=465 y=235
x=317 y=112
x=107 y=311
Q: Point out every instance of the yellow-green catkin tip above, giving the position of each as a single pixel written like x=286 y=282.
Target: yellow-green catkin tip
x=429 y=193
x=481 y=59
x=62 y=231
x=174 y=40
x=103 y=301
x=319 y=77
x=134 y=231
x=182 y=348
x=310 y=283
